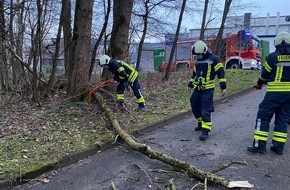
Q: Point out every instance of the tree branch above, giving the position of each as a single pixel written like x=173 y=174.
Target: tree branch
x=146 y=150
x=24 y=64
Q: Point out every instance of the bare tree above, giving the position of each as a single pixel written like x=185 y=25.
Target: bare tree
x=18 y=70
x=25 y=29
x=202 y=29
x=149 y=7
x=56 y=52
x=3 y=61
x=103 y=31
x=67 y=31
x=145 y=20
x=120 y=33
x=119 y=45
x=168 y=69
x=219 y=41
x=37 y=50
x=36 y=13
x=15 y=32
x=152 y=19
x=78 y=68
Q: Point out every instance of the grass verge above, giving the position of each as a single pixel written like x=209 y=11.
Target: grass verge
x=33 y=137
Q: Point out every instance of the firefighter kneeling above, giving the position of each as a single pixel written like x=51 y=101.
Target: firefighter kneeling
x=207 y=66
x=127 y=77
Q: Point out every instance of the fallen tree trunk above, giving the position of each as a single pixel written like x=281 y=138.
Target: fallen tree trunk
x=146 y=150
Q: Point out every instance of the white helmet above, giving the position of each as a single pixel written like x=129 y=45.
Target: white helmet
x=282 y=38
x=199 y=47
x=104 y=60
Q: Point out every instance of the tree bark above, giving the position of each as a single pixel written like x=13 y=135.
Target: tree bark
x=19 y=44
x=122 y=11
x=202 y=29
x=67 y=32
x=56 y=53
x=37 y=46
x=144 y=32
x=24 y=64
x=78 y=68
x=103 y=31
x=219 y=41
x=118 y=49
x=168 y=69
x=12 y=42
x=3 y=61
x=146 y=150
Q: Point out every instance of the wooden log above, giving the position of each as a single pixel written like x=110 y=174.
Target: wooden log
x=146 y=150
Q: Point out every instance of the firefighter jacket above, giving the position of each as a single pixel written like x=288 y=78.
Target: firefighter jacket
x=205 y=71
x=122 y=71
x=276 y=70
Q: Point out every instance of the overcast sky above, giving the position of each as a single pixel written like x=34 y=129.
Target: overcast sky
x=266 y=6
x=273 y=6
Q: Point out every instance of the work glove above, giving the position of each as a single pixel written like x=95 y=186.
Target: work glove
x=258 y=86
x=189 y=87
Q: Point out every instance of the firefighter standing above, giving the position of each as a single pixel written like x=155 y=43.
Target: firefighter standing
x=127 y=77
x=276 y=73
x=207 y=67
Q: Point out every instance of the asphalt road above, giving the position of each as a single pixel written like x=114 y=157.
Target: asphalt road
x=232 y=132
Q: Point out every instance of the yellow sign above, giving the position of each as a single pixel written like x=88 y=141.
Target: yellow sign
x=284 y=58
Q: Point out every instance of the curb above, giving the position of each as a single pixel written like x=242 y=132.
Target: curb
x=66 y=161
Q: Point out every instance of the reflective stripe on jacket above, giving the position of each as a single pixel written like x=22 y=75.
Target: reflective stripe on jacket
x=276 y=73
x=122 y=70
x=205 y=71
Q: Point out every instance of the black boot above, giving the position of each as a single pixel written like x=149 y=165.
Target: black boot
x=257 y=149
x=121 y=104
x=277 y=147
x=198 y=128
x=204 y=134
x=260 y=149
x=277 y=150
x=142 y=107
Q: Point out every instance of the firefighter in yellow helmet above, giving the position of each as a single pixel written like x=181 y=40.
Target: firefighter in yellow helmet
x=276 y=73
x=207 y=67
x=127 y=77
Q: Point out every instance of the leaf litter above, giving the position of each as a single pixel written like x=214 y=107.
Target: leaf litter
x=33 y=136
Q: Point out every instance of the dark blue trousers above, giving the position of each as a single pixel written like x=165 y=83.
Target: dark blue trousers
x=135 y=87
x=202 y=106
x=277 y=103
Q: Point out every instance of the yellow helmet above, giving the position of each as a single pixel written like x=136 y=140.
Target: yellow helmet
x=283 y=38
x=104 y=60
x=199 y=47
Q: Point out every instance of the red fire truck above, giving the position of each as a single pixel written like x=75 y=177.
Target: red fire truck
x=239 y=51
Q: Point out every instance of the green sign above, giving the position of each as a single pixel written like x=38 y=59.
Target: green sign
x=265 y=50
x=158 y=58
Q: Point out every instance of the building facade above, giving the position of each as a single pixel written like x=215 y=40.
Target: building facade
x=266 y=28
